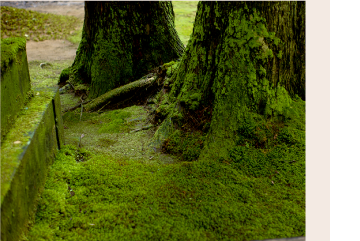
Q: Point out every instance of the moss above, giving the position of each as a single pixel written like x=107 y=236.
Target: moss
x=68 y=100
x=16 y=22
x=29 y=148
x=10 y=48
x=82 y=90
x=27 y=121
x=170 y=68
x=114 y=133
x=186 y=144
x=116 y=187
x=48 y=76
x=123 y=92
x=36 y=134
x=15 y=81
x=124 y=199
x=191 y=100
x=228 y=72
x=162 y=111
x=168 y=65
x=115 y=122
x=105 y=65
x=256 y=189
x=105 y=142
x=64 y=75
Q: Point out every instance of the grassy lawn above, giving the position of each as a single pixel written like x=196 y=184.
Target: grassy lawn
x=39 y=26
x=185 y=12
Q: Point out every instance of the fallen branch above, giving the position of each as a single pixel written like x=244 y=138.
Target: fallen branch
x=76 y=106
x=122 y=92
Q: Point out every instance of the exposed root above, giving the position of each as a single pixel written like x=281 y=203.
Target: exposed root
x=76 y=106
x=126 y=92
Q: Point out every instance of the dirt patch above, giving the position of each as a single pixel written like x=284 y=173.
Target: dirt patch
x=75 y=9
x=50 y=50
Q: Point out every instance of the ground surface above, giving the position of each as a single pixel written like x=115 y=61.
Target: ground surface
x=184 y=201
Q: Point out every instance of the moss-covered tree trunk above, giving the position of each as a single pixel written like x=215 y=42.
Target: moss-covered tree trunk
x=122 y=41
x=242 y=58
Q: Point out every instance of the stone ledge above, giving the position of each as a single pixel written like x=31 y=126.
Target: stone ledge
x=15 y=81
x=27 y=152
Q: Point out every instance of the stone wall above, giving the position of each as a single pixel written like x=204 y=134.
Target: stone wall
x=15 y=80
x=28 y=147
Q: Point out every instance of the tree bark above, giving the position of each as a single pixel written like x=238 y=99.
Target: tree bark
x=242 y=57
x=287 y=20
x=122 y=41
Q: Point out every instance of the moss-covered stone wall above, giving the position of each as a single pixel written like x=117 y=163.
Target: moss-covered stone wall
x=15 y=80
x=26 y=154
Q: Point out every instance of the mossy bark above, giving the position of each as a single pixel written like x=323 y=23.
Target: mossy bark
x=287 y=20
x=122 y=41
x=242 y=57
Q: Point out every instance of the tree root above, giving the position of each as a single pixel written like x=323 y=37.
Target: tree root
x=123 y=92
x=76 y=106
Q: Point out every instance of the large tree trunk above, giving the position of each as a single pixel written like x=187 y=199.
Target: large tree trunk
x=242 y=57
x=122 y=41
x=287 y=20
